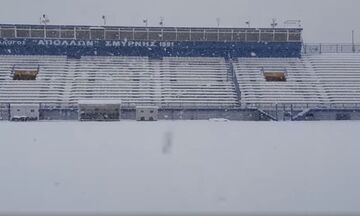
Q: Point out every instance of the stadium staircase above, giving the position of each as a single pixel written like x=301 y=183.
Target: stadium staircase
x=154 y=67
x=232 y=76
x=69 y=79
x=269 y=114
x=301 y=114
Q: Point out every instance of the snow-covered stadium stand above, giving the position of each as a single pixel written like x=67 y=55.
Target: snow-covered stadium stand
x=180 y=82
x=315 y=81
x=171 y=81
x=338 y=75
x=316 y=78
x=301 y=85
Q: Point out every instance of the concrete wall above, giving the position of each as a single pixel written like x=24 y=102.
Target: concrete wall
x=58 y=114
x=99 y=112
x=30 y=111
x=4 y=112
x=241 y=115
x=235 y=115
x=144 y=113
x=208 y=114
x=323 y=115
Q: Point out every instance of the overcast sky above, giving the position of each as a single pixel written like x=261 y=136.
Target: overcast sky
x=322 y=20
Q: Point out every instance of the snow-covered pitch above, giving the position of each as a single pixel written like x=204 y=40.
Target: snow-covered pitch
x=182 y=166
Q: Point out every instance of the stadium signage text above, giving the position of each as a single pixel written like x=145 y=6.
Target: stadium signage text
x=12 y=43
x=138 y=44
x=124 y=43
x=84 y=43
x=65 y=43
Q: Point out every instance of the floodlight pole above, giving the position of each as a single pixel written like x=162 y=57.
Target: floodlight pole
x=274 y=23
x=162 y=21
x=45 y=30
x=146 y=22
x=104 y=19
x=218 y=21
x=353 y=40
x=44 y=20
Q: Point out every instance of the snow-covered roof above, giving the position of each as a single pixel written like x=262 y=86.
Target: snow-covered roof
x=97 y=102
x=25 y=105
x=147 y=107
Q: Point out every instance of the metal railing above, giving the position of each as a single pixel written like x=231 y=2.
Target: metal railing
x=302 y=106
x=151 y=33
x=129 y=105
x=330 y=48
x=263 y=106
x=234 y=79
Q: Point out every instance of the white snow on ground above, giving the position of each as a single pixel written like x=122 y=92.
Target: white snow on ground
x=182 y=166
